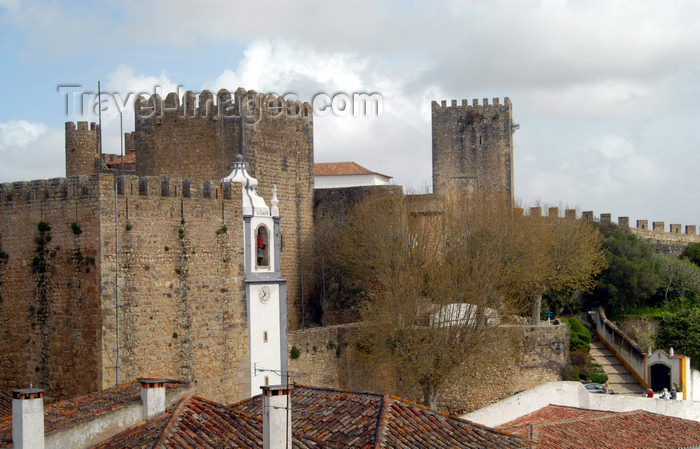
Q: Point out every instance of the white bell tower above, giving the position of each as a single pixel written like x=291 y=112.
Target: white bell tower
x=266 y=291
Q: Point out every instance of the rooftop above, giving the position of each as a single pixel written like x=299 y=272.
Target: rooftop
x=563 y=427
x=128 y=159
x=322 y=418
x=342 y=169
x=68 y=413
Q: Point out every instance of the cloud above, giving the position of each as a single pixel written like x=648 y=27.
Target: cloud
x=611 y=146
x=30 y=151
x=605 y=90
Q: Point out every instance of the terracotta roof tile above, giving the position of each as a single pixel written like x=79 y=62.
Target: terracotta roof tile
x=5 y=404
x=342 y=168
x=551 y=413
x=322 y=418
x=128 y=159
x=569 y=428
x=368 y=420
x=64 y=414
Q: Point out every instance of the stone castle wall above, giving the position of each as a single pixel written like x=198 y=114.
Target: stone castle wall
x=671 y=242
x=49 y=282
x=472 y=146
x=325 y=359
x=183 y=138
x=181 y=285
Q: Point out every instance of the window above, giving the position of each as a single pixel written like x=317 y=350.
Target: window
x=262 y=247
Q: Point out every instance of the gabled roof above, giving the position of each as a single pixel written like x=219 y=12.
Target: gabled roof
x=342 y=169
x=321 y=418
x=197 y=422
x=568 y=428
x=64 y=414
x=371 y=420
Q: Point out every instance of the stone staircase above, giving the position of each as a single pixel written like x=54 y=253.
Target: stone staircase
x=619 y=378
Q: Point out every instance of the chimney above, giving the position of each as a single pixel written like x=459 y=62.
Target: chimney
x=277 y=417
x=28 y=418
x=152 y=397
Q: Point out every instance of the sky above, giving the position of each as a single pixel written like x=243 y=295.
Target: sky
x=605 y=92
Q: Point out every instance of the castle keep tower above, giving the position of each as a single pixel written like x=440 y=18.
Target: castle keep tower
x=82 y=148
x=473 y=146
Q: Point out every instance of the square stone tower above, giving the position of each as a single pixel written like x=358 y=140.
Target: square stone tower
x=473 y=147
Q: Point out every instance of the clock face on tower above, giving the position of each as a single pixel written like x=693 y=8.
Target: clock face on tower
x=264 y=294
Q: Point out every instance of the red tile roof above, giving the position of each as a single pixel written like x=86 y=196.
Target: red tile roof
x=197 y=422
x=549 y=414
x=128 y=159
x=370 y=420
x=5 y=404
x=64 y=414
x=322 y=418
x=557 y=427
x=342 y=168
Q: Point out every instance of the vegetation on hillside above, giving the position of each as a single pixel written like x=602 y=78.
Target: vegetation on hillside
x=582 y=365
x=654 y=298
x=681 y=331
x=631 y=277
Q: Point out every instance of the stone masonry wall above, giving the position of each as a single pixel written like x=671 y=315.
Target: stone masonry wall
x=177 y=139
x=276 y=139
x=182 y=291
x=472 y=147
x=49 y=281
x=181 y=285
x=541 y=357
x=82 y=148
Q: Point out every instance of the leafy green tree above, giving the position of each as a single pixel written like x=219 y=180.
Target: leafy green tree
x=692 y=253
x=566 y=256
x=681 y=331
x=631 y=277
x=680 y=279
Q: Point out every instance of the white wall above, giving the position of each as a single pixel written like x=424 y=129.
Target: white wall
x=574 y=394
x=331 y=182
x=264 y=318
x=89 y=433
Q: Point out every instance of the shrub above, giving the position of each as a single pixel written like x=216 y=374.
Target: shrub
x=75 y=227
x=294 y=353
x=42 y=226
x=580 y=337
x=598 y=377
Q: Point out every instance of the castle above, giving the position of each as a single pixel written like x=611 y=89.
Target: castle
x=152 y=273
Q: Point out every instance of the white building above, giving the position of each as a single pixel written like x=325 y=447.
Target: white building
x=329 y=175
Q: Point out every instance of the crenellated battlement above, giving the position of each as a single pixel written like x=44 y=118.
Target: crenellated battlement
x=82 y=126
x=23 y=192
x=670 y=242
x=474 y=104
x=250 y=105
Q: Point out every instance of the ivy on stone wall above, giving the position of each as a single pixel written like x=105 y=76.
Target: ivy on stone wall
x=4 y=257
x=41 y=269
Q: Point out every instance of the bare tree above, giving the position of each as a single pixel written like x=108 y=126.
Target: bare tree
x=435 y=277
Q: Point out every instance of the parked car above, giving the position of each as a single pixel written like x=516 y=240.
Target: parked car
x=596 y=388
